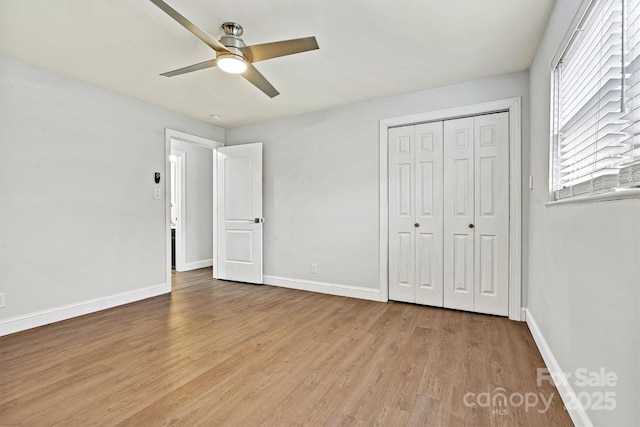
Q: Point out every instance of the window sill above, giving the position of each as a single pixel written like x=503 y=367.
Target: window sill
x=632 y=193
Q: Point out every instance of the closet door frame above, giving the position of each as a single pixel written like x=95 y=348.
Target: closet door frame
x=514 y=108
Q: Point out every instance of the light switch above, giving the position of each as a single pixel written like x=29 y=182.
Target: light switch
x=156 y=193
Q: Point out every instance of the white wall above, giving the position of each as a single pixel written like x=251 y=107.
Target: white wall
x=584 y=277
x=78 y=220
x=321 y=179
x=199 y=203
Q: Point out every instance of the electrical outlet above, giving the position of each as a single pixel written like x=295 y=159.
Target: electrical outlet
x=2 y=300
x=314 y=268
x=156 y=193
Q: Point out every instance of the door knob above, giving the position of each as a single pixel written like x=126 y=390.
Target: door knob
x=470 y=225
x=416 y=225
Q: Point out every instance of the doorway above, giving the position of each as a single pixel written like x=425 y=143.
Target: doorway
x=190 y=213
x=176 y=201
x=511 y=107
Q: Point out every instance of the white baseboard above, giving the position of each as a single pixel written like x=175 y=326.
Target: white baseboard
x=197 y=264
x=44 y=317
x=325 y=288
x=577 y=414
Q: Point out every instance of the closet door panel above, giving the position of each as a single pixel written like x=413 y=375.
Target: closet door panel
x=429 y=213
x=492 y=214
x=458 y=201
x=401 y=214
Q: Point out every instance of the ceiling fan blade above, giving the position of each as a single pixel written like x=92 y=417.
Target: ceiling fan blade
x=260 y=52
x=195 y=67
x=193 y=28
x=259 y=81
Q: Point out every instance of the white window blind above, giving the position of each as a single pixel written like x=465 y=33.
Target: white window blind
x=596 y=105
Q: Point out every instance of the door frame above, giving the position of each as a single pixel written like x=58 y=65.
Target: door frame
x=169 y=135
x=514 y=107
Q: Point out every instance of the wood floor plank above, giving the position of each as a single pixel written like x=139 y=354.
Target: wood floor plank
x=224 y=353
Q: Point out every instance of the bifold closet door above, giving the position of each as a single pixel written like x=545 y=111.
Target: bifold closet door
x=415 y=214
x=476 y=214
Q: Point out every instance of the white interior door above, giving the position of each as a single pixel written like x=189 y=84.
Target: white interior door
x=458 y=211
x=476 y=214
x=492 y=214
x=402 y=214
x=428 y=213
x=415 y=214
x=449 y=214
x=240 y=213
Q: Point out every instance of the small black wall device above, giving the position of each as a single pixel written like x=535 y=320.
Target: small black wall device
x=157 y=177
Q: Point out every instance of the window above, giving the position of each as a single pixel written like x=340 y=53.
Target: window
x=596 y=103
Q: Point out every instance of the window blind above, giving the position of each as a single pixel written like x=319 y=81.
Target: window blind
x=630 y=168
x=596 y=103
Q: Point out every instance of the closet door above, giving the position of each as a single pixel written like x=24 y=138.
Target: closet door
x=449 y=214
x=476 y=214
x=492 y=214
x=401 y=214
x=459 y=213
x=428 y=214
x=415 y=214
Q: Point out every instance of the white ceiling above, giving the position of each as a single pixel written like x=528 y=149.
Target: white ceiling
x=368 y=48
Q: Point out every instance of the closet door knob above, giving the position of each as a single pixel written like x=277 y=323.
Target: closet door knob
x=416 y=225
x=471 y=226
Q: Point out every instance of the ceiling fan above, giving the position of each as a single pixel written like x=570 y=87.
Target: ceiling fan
x=233 y=55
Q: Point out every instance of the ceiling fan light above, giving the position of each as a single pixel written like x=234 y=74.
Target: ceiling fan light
x=232 y=64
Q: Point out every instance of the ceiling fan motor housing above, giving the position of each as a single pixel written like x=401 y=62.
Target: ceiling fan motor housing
x=231 y=38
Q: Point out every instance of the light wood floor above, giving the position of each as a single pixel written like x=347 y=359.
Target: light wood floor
x=220 y=353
